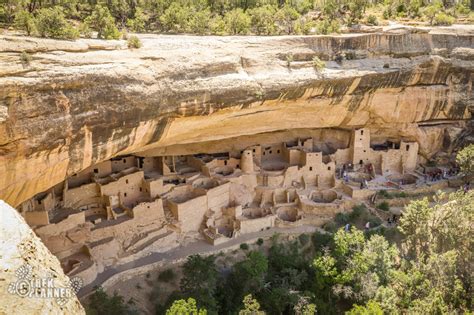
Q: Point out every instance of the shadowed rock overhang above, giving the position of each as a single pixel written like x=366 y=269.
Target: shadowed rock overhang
x=80 y=103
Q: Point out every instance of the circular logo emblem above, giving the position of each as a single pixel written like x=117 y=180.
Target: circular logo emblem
x=23 y=288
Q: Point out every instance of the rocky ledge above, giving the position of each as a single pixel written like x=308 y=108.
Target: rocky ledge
x=79 y=103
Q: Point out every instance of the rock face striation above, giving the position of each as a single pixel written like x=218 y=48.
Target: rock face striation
x=80 y=103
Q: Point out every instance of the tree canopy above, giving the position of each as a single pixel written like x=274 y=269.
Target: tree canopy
x=465 y=160
x=59 y=19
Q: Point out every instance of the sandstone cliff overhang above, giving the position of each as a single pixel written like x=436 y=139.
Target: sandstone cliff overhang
x=79 y=103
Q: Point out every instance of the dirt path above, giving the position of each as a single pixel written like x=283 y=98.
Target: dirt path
x=197 y=247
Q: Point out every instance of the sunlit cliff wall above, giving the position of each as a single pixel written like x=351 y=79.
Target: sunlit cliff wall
x=83 y=102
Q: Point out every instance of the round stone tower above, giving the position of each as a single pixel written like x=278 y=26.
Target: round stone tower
x=246 y=161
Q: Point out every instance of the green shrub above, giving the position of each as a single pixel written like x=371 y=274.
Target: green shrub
x=137 y=24
x=25 y=21
x=318 y=64
x=259 y=94
x=462 y=7
x=25 y=58
x=401 y=8
x=341 y=218
x=237 y=22
x=374 y=221
x=199 y=22
x=175 y=18
x=372 y=20
x=286 y=17
x=102 y=303
x=384 y=194
x=102 y=21
x=217 y=25
x=244 y=246
x=166 y=275
x=321 y=240
x=443 y=19
x=52 y=23
x=431 y=10
x=85 y=30
x=350 y=55
x=289 y=59
x=465 y=160
x=304 y=239
x=330 y=227
x=304 y=26
x=263 y=19
x=401 y=194
x=387 y=13
x=392 y=234
x=124 y=34
x=260 y=242
x=431 y=163
x=359 y=211
x=384 y=206
x=379 y=231
x=134 y=42
x=327 y=26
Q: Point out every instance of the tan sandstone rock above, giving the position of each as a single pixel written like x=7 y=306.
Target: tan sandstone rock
x=24 y=261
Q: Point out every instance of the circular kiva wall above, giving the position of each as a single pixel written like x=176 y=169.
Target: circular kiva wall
x=324 y=196
x=224 y=170
x=405 y=179
x=274 y=166
x=289 y=214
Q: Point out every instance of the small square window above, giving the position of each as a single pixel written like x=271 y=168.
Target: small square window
x=253 y=150
x=141 y=189
x=329 y=168
x=278 y=151
x=125 y=194
x=270 y=151
x=310 y=168
x=96 y=170
x=124 y=161
x=126 y=181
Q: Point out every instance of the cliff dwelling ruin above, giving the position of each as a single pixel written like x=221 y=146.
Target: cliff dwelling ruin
x=120 y=209
x=121 y=160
